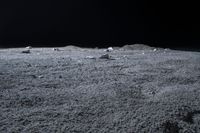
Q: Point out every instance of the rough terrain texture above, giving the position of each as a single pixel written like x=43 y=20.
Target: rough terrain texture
x=139 y=90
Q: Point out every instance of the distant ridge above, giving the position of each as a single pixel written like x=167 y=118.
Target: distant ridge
x=137 y=47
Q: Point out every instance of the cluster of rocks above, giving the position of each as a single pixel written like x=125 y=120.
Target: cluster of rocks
x=28 y=50
x=104 y=56
x=108 y=50
x=56 y=49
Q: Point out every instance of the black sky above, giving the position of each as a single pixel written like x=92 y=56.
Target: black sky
x=98 y=23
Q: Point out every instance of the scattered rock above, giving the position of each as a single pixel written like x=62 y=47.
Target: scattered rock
x=24 y=89
x=153 y=93
x=154 y=50
x=125 y=56
x=166 y=50
x=105 y=56
x=28 y=47
x=90 y=57
x=56 y=49
x=41 y=76
x=29 y=65
x=109 y=49
x=26 y=51
x=33 y=76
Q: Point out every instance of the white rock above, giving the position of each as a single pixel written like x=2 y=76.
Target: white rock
x=41 y=76
x=28 y=47
x=109 y=49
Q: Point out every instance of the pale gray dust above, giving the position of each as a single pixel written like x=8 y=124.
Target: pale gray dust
x=141 y=90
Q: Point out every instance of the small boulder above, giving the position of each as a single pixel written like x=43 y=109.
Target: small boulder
x=41 y=76
x=109 y=49
x=56 y=49
x=28 y=47
x=29 y=65
x=105 y=56
x=154 y=50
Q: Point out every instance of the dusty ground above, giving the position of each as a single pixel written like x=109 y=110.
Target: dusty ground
x=141 y=91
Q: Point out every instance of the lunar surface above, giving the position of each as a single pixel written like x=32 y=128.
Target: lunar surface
x=130 y=89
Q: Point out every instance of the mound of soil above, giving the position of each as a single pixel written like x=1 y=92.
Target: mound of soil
x=137 y=47
x=71 y=47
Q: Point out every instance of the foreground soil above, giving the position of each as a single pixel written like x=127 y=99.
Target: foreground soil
x=138 y=89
